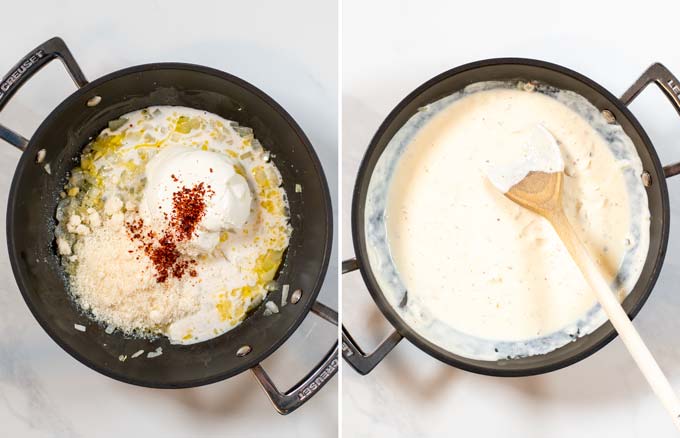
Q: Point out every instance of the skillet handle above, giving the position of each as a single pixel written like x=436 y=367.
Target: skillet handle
x=301 y=392
x=670 y=86
x=27 y=67
x=361 y=362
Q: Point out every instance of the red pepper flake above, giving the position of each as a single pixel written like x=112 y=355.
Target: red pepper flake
x=188 y=210
x=164 y=257
x=174 y=178
x=211 y=170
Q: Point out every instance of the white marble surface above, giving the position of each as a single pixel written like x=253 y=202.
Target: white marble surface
x=287 y=49
x=389 y=48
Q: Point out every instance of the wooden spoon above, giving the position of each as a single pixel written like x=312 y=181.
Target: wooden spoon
x=541 y=193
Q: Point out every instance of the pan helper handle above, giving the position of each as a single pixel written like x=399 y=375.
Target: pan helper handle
x=362 y=362
x=35 y=60
x=300 y=393
x=669 y=85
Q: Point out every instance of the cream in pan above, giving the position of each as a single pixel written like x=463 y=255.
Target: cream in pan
x=487 y=279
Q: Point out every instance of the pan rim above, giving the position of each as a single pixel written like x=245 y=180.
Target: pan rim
x=492 y=368
x=249 y=361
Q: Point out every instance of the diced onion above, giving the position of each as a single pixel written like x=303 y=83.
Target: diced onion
x=284 y=294
x=94 y=101
x=156 y=353
x=272 y=307
x=114 y=125
x=243 y=131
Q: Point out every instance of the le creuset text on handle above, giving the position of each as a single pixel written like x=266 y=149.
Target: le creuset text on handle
x=27 y=67
x=670 y=86
x=287 y=402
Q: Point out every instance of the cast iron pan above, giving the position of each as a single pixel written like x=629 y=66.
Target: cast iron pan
x=505 y=69
x=34 y=195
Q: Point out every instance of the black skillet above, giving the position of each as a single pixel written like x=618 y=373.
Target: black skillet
x=34 y=195
x=506 y=69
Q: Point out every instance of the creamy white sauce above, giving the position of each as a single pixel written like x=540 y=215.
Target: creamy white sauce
x=533 y=149
x=487 y=279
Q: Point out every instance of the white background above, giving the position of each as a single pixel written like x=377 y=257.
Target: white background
x=289 y=50
x=391 y=47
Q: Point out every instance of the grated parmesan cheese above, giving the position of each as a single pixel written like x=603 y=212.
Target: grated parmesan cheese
x=118 y=285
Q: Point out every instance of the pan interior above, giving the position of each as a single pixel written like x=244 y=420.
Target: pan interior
x=34 y=196
x=370 y=230
x=412 y=309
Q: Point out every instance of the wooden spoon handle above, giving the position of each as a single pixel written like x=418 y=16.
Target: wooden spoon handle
x=630 y=337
